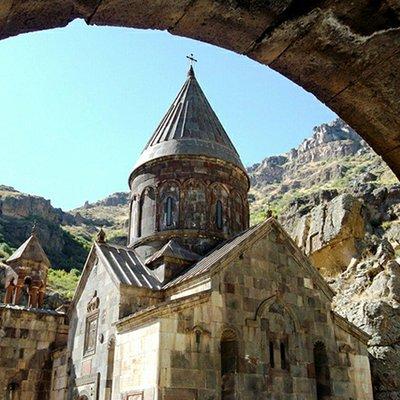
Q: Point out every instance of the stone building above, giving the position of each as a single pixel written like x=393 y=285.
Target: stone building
x=28 y=333
x=198 y=305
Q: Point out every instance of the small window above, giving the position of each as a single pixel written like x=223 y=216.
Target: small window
x=283 y=356
x=218 y=214
x=271 y=355
x=169 y=203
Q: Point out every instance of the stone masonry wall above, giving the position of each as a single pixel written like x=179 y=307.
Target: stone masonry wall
x=59 y=376
x=27 y=337
x=264 y=300
x=137 y=366
x=99 y=301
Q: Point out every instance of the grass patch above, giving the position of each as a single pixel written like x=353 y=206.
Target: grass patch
x=63 y=282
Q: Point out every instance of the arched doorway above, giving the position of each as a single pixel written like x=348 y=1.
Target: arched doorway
x=229 y=365
x=322 y=374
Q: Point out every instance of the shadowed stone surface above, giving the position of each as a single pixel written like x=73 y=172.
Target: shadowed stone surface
x=345 y=53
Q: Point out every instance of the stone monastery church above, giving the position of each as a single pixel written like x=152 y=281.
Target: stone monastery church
x=197 y=306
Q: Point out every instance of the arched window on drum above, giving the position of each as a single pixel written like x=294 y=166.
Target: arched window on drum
x=219 y=214
x=168 y=207
x=219 y=208
x=169 y=193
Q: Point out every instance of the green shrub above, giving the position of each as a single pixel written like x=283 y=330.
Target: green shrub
x=63 y=282
x=5 y=251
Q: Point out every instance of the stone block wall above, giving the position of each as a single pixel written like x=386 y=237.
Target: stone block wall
x=59 y=376
x=137 y=357
x=27 y=337
x=275 y=311
x=91 y=335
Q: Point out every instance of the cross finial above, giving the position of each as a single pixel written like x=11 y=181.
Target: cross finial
x=192 y=60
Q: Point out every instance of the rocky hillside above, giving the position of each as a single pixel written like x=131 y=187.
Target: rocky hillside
x=111 y=213
x=20 y=211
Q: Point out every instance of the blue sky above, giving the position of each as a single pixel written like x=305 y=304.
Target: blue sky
x=78 y=104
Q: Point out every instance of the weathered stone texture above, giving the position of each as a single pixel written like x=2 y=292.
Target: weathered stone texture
x=100 y=289
x=27 y=338
x=264 y=295
x=331 y=233
x=195 y=184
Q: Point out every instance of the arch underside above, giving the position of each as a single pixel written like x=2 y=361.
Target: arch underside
x=345 y=53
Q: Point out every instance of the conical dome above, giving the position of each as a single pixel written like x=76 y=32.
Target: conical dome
x=189 y=184
x=190 y=127
x=30 y=250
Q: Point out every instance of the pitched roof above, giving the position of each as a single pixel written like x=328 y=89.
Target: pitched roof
x=234 y=245
x=190 y=127
x=122 y=264
x=213 y=257
x=30 y=250
x=127 y=267
x=174 y=250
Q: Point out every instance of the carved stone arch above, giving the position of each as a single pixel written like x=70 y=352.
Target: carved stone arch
x=193 y=182
x=229 y=353
x=169 y=204
x=199 y=338
x=219 y=207
x=162 y=185
x=147 y=211
x=238 y=210
x=199 y=328
x=194 y=208
x=219 y=185
x=229 y=331
x=266 y=304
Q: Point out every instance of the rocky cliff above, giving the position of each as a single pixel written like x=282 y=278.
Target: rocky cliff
x=20 y=211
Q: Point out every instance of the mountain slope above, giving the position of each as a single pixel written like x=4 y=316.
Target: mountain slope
x=20 y=211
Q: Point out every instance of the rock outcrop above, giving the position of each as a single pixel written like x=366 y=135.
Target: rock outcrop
x=342 y=207
x=331 y=233
x=368 y=294
x=20 y=211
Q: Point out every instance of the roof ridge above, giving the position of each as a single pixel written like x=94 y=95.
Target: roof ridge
x=32 y=250
x=193 y=124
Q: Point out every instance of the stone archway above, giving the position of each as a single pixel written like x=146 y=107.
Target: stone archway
x=345 y=53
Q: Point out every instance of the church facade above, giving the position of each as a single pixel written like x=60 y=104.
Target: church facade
x=198 y=305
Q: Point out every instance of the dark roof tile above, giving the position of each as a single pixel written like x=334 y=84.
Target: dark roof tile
x=190 y=127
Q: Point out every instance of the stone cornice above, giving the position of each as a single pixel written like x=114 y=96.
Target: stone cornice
x=142 y=168
x=350 y=328
x=22 y=309
x=160 y=309
x=179 y=233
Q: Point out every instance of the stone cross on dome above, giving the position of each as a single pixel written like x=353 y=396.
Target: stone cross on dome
x=192 y=60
